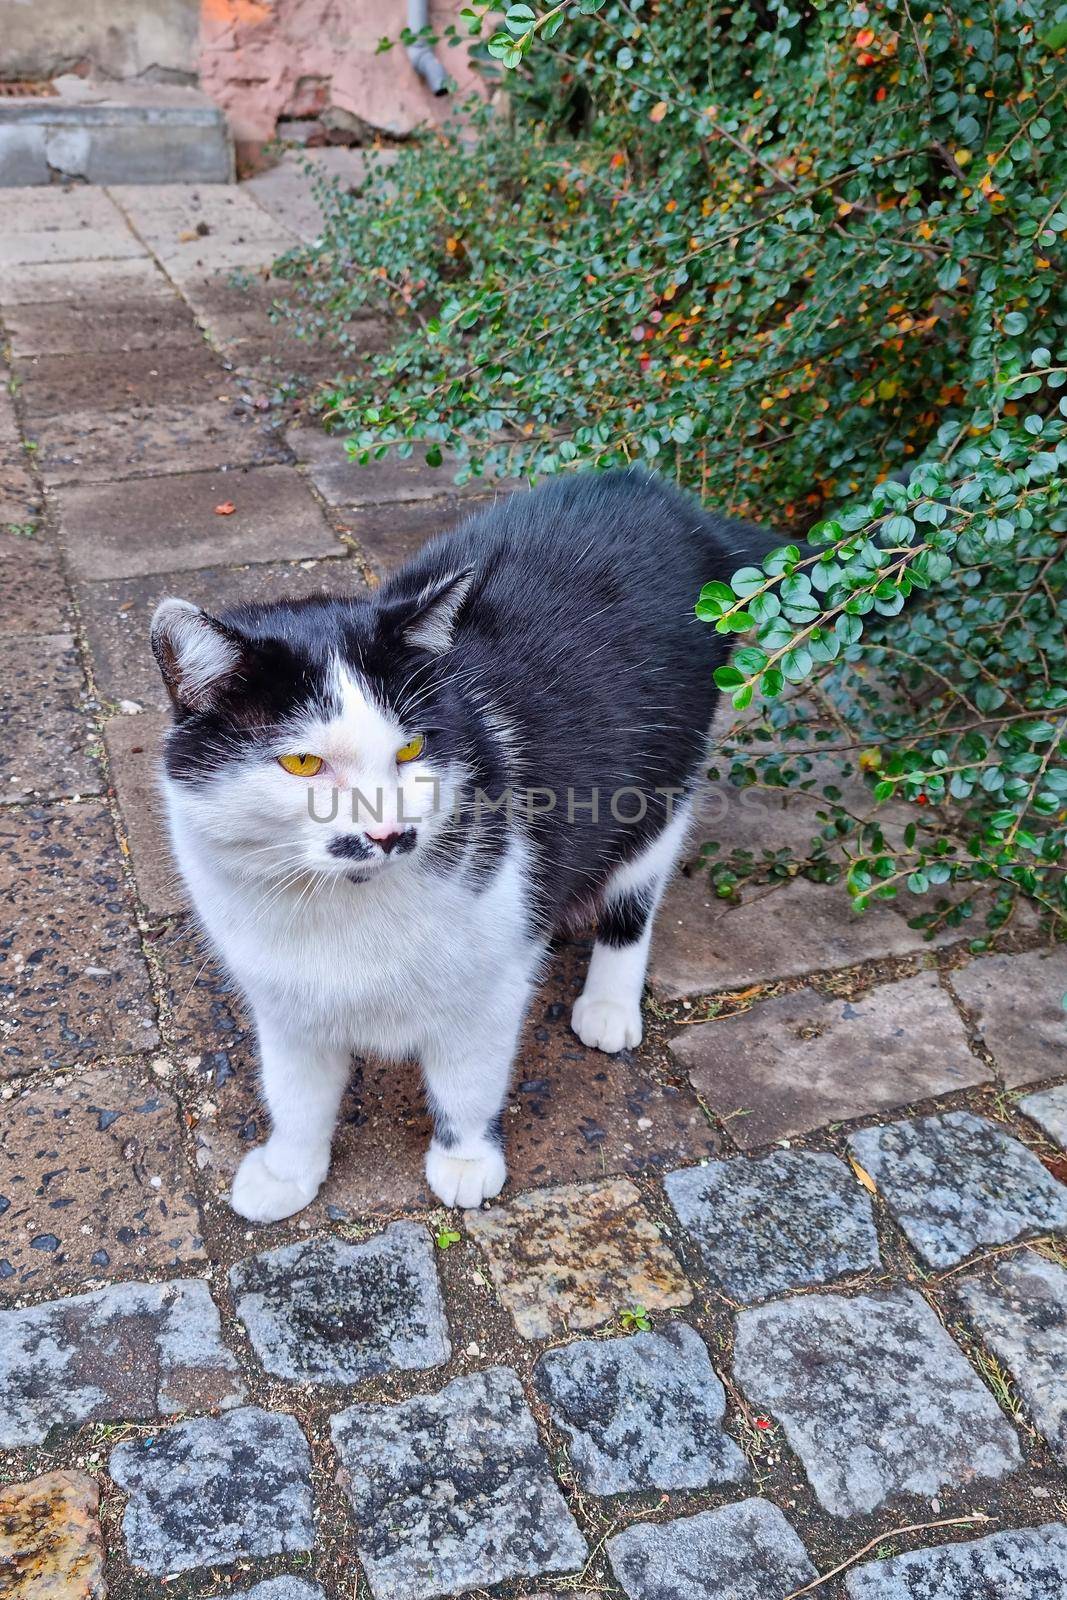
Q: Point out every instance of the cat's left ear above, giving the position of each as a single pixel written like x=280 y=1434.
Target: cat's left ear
x=198 y=656
x=427 y=620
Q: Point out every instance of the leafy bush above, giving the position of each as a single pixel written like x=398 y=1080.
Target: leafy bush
x=808 y=258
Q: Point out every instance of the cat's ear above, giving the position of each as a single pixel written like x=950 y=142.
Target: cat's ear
x=197 y=655
x=427 y=619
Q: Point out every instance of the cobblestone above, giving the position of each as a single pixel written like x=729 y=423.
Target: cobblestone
x=132 y=1351
x=1048 y=1108
x=329 y=1312
x=641 y=1413
x=1019 y=1306
x=571 y=1258
x=790 y=1219
x=453 y=1490
x=45 y=751
x=895 y=1408
x=283 y=1589
x=1023 y=1564
x=50 y=1543
x=957 y=1182
x=215 y=1489
x=746 y=1551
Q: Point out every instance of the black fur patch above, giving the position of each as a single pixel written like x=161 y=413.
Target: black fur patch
x=577 y=666
x=622 y=921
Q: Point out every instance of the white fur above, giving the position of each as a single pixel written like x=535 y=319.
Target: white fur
x=607 y=1013
x=330 y=966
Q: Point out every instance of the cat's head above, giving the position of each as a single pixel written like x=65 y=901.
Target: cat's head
x=321 y=735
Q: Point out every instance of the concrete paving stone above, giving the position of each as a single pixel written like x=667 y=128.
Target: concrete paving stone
x=572 y=1258
x=211 y=1491
x=746 y=1551
x=51 y=1547
x=323 y=1311
x=116 y=613
x=391 y=534
x=110 y=324
x=96 y=1184
x=89 y=447
x=641 y=1413
x=165 y=524
x=59 y=208
x=134 y=1350
x=20 y=499
x=762 y=1227
x=453 y=1490
x=283 y=1589
x=803 y=1060
x=571 y=1113
x=874 y=1397
x=73 y=982
x=1016 y=1564
x=32 y=248
x=288 y=191
x=207 y=1022
x=164 y=213
x=1048 y=1108
x=1019 y=1306
x=33 y=590
x=46 y=732
x=702 y=944
x=236 y=312
x=120 y=380
x=9 y=428
x=56 y=282
x=958 y=1183
x=1017 y=1004
x=135 y=750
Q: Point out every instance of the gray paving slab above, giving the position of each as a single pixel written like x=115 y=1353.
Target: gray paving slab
x=28 y=250
x=134 y=1350
x=1017 y=1004
x=1014 y=1564
x=215 y=1489
x=791 y=1219
x=1019 y=1306
x=59 y=282
x=746 y=1551
x=803 y=1060
x=135 y=752
x=116 y=612
x=452 y=1491
x=896 y=1409
x=171 y=523
x=641 y=1413
x=324 y=1311
x=704 y=945
x=1048 y=1108
x=98 y=447
x=958 y=1183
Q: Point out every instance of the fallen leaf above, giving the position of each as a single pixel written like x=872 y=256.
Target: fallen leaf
x=226 y=509
x=658 y=112
x=187 y=236
x=864 y=1176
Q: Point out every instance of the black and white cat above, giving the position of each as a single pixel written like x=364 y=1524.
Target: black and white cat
x=384 y=805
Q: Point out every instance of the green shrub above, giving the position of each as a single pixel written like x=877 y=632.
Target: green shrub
x=809 y=260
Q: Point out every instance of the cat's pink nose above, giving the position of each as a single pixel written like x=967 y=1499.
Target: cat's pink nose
x=391 y=839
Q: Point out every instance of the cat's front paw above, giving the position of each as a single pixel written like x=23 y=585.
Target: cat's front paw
x=262 y=1197
x=608 y=1025
x=460 y=1182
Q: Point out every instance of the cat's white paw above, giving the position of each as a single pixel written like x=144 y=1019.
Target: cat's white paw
x=608 y=1025
x=464 y=1183
x=262 y=1197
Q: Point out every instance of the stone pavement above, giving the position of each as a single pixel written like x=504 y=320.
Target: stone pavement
x=788 y=1279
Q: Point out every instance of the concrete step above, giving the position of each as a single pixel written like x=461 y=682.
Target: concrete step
x=114 y=133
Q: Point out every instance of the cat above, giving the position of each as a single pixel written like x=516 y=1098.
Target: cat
x=385 y=805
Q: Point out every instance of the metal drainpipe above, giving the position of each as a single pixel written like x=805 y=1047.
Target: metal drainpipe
x=420 y=53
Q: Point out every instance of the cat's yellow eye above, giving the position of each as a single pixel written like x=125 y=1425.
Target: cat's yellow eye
x=302 y=766
x=412 y=750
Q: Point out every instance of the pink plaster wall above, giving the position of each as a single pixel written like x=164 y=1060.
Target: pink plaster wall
x=265 y=59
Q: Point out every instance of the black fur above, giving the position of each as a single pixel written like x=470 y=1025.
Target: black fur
x=578 y=632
